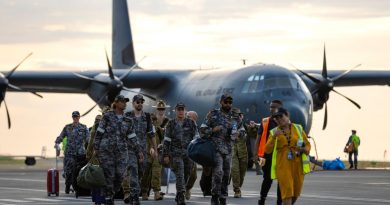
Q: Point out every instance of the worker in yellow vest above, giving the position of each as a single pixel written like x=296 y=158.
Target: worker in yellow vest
x=265 y=160
x=290 y=148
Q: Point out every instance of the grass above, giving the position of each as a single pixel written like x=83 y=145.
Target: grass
x=10 y=160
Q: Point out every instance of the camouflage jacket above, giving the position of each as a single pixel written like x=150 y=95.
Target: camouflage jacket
x=159 y=129
x=178 y=135
x=114 y=130
x=143 y=128
x=222 y=138
x=240 y=142
x=77 y=135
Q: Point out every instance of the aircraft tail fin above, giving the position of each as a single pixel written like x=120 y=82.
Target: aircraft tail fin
x=122 y=41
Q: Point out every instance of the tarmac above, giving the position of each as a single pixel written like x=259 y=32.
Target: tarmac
x=28 y=186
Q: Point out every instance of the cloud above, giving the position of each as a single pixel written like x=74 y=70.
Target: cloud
x=52 y=20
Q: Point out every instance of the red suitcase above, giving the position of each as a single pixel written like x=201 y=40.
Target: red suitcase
x=53 y=181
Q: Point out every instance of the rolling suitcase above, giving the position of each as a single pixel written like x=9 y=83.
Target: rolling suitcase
x=53 y=181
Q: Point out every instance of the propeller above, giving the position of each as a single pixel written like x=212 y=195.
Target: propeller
x=326 y=84
x=4 y=85
x=114 y=85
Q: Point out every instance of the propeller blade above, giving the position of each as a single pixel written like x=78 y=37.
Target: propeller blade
x=13 y=70
x=324 y=69
x=20 y=89
x=345 y=73
x=314 y=91
x=97 y=103
x=315 y=80
x=90 y=79
x=144 y=94
x=131 y=69
x=109 y=67
x=8 y=117
x=325 y=117
x=350 y=100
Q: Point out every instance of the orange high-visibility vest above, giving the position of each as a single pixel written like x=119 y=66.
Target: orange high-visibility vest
x=263 y=140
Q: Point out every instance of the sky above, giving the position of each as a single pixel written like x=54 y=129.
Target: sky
x=193 y=34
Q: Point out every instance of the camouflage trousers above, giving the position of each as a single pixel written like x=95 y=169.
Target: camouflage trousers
x=220 y=175
x=192 y=178
x=114 y=161
x=182 y=167
x=130 y=181
x=130 y=175
x=152 y=176
x=239 y=167
x=69 y=163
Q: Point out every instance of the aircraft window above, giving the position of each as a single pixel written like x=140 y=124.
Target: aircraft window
x=262 y=77
x=252 y=85
x=281 y=82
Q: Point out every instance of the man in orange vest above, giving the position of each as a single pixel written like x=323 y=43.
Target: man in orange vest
x=265 y=160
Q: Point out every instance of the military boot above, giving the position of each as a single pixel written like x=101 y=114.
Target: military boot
x=145 y=196
x=179 y=199
x=261 y=201
x=188 y=194
x=237 y=194
x=222 y=201
x=109 y=201
x=136 y=200
x=67 y=188
x=157 y=196
x=214 y=200
x=127 y=198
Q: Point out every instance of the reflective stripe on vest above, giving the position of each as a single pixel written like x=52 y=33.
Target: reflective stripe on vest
x=305 y=161
x=263 y=140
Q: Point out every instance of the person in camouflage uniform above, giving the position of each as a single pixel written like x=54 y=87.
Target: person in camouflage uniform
x=77 y=134
x=152 y=176
x=240 y=155
x=178 y=134
x=193 y=175
x=251 y=129
x=114 y=136
x=222 y=129
x=144 y=130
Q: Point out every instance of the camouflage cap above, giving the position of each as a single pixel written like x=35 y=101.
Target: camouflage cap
x=75 y=114
x=161 y=105
x=138 y=97
x=180 y=105
x=121 y=98
x=226 y=96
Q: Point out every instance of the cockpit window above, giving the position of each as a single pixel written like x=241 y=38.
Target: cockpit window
x=257 y=83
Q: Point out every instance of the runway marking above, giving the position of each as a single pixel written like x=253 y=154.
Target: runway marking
x=19 y=189
x=24 y=180
x=15 y=200
x=44 y=199
x=379 y=183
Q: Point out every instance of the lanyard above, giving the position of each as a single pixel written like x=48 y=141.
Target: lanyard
x=288 y=137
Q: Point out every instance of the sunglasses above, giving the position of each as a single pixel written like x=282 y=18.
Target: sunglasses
x=74 y=116
x=161 y=109
x=139 y=102
x=228 y=102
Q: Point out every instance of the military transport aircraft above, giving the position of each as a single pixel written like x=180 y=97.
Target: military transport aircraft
x=253 y=87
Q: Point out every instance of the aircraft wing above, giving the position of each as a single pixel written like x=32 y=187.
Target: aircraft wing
x=68 y=82
x=354 y=78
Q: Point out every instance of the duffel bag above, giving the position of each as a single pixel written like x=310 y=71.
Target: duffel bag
x=202 y=151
